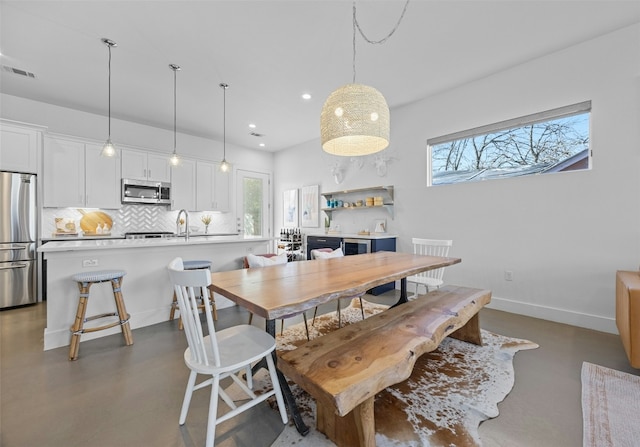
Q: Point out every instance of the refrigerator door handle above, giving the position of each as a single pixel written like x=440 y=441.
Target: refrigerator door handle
x=14 y=247
x=13 y=266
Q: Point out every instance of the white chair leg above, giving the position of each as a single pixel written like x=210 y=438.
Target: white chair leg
x=213 y=412
x=276 y=388
x=187 y=397
x=249 y=377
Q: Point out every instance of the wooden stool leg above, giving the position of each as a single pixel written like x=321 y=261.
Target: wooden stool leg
x=213 y=308
x=174 y=305
x=78 y=324
x=122 y=311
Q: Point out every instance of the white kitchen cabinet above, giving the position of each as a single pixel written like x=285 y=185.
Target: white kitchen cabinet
x=183 y=185
x=212 y=187
x=75 y=175
x=102 y=179
x=145 y=166
x=19 y=147
x=63 y=173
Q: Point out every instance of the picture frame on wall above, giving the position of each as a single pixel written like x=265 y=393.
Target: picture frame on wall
x=290 y=208
x=310 y=206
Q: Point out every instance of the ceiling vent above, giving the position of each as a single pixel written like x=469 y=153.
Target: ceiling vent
x=255 y=134
x=19 y=72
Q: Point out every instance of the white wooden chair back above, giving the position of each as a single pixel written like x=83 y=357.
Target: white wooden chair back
x=432 y=247
x=189 y=285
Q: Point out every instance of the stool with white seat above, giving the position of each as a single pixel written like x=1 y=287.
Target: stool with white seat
x=85 y=280
x=195 y=264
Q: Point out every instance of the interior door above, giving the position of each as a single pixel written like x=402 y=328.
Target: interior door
x=254 y=204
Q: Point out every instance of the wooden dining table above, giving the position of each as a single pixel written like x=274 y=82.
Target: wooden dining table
x=285 y=290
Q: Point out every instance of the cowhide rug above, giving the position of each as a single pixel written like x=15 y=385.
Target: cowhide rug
x=451 y=391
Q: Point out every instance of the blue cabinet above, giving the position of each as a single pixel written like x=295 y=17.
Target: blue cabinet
x=353 y=246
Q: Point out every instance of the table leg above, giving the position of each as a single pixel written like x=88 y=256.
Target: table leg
x=289 y=400
x=403 y=292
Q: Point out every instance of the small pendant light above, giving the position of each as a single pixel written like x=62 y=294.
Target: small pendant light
x=224 y=166
x=108 y=150
x=174 y=160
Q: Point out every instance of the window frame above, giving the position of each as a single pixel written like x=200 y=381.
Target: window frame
x=526 y=120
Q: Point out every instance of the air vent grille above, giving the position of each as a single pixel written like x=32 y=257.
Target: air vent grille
x=19 y=72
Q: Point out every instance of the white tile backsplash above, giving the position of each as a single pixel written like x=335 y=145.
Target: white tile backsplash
x=141 y=218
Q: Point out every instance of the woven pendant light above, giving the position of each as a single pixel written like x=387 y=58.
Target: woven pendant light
x=355 y=118
x=354 y=121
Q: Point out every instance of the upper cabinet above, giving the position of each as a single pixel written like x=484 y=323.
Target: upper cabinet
x=145 y=166
x=75 y=175
x=19 y=148
x=359 y=199
x=212 y=192
x=102 y=178
x=183 y=185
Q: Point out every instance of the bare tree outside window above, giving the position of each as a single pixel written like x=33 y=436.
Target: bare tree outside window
x=535 y=145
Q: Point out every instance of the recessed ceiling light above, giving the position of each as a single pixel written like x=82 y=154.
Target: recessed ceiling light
x=252 y=126
x=262 y=144
x=306 y=96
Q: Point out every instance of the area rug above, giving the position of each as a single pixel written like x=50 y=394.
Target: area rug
x=451 y=391
x=610 y=407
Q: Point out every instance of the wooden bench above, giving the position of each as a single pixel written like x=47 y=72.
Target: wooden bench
x=345 y=369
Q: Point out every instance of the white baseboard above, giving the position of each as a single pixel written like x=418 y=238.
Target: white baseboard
x=573 y=318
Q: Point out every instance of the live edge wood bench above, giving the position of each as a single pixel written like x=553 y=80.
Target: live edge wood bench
x=346 y=368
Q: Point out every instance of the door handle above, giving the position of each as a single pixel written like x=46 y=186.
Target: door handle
x=13 y=266
x=15 y=247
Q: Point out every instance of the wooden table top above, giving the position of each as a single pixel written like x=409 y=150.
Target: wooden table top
x=282 y=291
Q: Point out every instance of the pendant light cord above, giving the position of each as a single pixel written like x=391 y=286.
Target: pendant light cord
x=109 y=46
x=224 y=120
x=174 y=110
x=381 y=41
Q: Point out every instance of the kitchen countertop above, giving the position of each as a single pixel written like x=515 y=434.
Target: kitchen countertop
x=106 y=244
x=355 y=235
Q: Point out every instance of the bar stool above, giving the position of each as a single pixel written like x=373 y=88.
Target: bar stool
x=85 y=280
x=193 y=265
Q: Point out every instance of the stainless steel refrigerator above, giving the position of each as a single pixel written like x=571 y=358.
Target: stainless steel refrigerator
x=18 y=262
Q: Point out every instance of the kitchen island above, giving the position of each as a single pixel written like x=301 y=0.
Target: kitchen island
x=146 y=288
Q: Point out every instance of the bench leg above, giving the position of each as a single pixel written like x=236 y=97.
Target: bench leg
x=470 y=332
x=354 y=429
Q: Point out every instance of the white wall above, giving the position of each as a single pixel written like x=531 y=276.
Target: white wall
x=563 y=235
x=66 y=121
x=88 y=125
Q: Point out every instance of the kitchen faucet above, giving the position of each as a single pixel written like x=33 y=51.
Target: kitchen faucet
x=186 y=221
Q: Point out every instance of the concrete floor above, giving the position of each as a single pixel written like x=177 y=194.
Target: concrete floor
x=116 y=395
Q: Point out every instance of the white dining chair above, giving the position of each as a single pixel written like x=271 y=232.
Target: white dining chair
x=431 y=279
x=328 y=253
x=266 y=260
x=220 y=354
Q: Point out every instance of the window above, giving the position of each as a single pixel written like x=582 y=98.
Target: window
x=552 y=141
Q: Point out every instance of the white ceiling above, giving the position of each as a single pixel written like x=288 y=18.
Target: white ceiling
x=270 y=52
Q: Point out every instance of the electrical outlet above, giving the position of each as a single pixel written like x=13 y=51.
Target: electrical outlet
x=508 y=275
x=89 y=262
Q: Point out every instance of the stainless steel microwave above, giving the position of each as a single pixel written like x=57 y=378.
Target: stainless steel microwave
x=142 y=191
